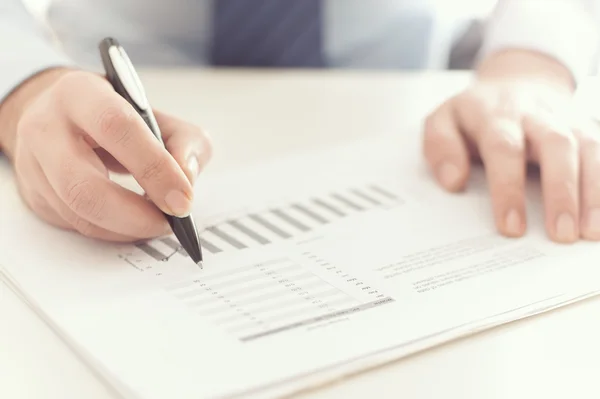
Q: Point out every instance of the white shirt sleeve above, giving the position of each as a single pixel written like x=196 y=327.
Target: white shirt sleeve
x=24 y=48
x=566 y=30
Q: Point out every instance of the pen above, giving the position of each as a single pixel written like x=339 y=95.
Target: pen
x=124 y=79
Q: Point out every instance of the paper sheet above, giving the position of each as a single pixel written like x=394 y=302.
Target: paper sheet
x=316 y=266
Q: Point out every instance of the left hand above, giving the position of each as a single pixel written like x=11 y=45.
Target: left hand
x=520 y=110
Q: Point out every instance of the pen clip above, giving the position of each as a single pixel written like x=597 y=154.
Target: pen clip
x=122 y=75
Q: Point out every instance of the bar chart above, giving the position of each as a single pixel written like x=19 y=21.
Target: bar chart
x=272 y=297
x=261 y=227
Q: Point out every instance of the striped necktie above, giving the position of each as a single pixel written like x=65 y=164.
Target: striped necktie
x=267 y=33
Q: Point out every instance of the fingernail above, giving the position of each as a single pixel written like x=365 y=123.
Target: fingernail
x=594 y=221
x=513 y=223
x=565 y=227
x=178 y=203
x=193 y=167
x=449 y=175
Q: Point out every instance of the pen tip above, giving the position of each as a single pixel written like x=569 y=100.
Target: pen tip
x=200 y=264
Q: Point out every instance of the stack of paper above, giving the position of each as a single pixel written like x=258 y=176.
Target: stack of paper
x=316 y=266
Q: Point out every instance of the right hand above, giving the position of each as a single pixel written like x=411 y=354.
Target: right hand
x=65 y=130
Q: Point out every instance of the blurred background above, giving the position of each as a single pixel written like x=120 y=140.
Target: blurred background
x=393 y=34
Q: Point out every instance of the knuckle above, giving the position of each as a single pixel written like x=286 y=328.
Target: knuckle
x=430 y=123
x=432 y=133
x=502 y=143
x=65 y=85
x=27 y=124
x=84 y=199
x=31 y=124
x=153 y=169
x=116 y=124
x=437 y=119
x=474 y=101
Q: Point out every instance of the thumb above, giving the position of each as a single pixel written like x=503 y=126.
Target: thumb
x=445 y=148
x=188 y=144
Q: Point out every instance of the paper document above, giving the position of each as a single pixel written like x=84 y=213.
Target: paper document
x=315 y=266
x=244 y=228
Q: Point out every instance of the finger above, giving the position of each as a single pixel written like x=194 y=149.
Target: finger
x=89 y=194
x=40 y=206
x=42 y=199
x=110 y=162
x=188 y=144
x=588 y=137
x=115 y=126
x=445 y=149
x=558 y=153
x=69 y=220
x=501 y=145
x=50 y=216
x=33 y=194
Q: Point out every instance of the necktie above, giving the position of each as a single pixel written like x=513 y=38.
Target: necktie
x=259 y=33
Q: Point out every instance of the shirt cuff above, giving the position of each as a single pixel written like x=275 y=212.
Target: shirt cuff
x=562 y=29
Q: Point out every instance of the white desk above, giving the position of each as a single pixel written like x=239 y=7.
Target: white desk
x=253 y=116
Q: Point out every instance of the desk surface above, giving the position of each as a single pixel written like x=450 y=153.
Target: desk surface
x=253 y=116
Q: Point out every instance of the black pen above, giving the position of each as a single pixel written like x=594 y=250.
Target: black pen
x=122 y=76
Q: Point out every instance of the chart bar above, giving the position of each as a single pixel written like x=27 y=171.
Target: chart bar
x=171 y=243
x=249 y=232
x=310 y=213
x=151 y=251
x=265 y=223
x=284 y=216
x=329 y=207
x=366 y=197
x=226 y=237
x=210 y=247
x=383 y=192
x=174 y=245
x=347 y=202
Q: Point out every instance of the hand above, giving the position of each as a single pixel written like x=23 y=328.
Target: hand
x=65 y=130
x=520 y=110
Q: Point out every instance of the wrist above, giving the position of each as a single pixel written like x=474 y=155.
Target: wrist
x=526 y=65
x=17 y=102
